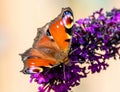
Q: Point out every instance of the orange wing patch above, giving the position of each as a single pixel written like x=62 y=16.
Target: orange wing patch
x=58 y=32
x=36 y=62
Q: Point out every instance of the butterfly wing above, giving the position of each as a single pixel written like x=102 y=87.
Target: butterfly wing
x=41 y=54
x=60 y=28
x=50 y=46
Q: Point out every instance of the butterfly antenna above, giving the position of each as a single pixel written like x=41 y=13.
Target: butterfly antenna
x=73 y=51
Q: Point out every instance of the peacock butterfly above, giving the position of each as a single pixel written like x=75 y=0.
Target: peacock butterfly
x=51 y=45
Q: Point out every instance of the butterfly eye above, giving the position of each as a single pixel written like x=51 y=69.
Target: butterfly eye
x=68 y=19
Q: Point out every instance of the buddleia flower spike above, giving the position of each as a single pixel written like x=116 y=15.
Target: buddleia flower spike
x=90 y=37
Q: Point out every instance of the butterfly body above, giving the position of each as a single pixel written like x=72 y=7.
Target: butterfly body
x=51 y=45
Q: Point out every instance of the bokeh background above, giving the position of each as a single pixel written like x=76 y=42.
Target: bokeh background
x=19 y=20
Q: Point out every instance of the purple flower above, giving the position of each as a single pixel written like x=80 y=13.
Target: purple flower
x=95 y=39
x=60 y=78
x=96 y=34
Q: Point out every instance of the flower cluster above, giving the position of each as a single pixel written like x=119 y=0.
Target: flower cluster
x=60 y=78
x=95 y=39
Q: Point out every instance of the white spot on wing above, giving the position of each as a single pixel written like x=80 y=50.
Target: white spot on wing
x=57 y=26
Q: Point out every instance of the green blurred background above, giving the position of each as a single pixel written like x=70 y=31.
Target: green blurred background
x=19 y=20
